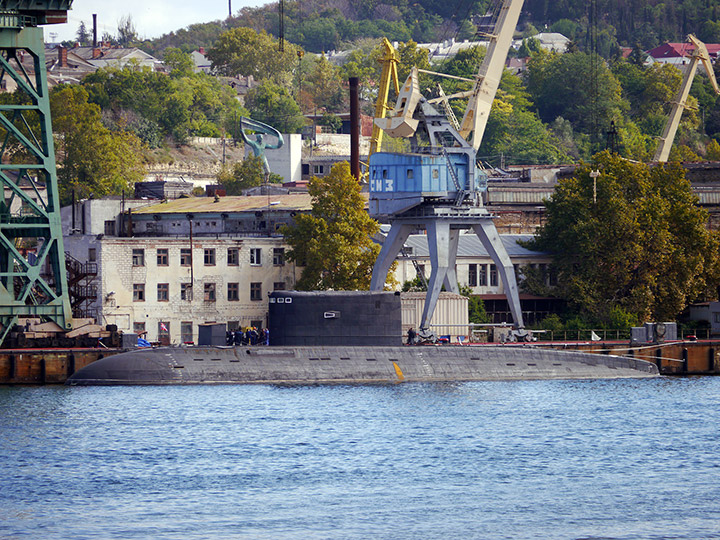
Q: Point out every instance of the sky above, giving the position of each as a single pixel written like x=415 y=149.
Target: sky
x=152 y=18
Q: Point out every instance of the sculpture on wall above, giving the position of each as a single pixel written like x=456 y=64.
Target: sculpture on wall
x=254 y=135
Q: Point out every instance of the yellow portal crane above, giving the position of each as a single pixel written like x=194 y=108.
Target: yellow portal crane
x=700 y=54
x=389 y=61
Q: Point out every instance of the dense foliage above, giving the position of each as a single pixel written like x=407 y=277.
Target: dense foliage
x=92 y=160
x=637 y=241
x=333 y=243
x=322 y=25
x=155 y=106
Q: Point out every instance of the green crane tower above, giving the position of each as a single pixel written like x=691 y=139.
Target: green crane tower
x=31 y=243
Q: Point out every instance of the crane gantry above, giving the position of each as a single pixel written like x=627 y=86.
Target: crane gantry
x=437 y=186
x=30 y=231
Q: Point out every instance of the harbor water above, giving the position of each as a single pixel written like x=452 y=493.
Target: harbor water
x=600 y=459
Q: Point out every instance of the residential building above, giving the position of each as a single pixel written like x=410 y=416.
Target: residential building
x=678 y=54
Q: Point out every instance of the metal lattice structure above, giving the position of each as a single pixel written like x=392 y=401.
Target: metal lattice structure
x=31 y=243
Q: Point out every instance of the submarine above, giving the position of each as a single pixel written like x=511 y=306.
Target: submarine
x=348 y=338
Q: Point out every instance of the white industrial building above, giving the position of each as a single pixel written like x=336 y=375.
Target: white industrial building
x=164 y=268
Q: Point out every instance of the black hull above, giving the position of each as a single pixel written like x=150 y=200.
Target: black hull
x=352 y=365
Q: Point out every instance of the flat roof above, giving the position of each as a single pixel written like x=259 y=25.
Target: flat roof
x=243 y=203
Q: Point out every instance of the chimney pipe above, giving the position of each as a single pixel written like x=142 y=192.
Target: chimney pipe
x=62 y=56
x=94 y=30
x=354 y=129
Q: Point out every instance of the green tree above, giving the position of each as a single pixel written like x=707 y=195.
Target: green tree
x=272 y=104
x=324 y=85
x=178 y=106
x=641 y=244
x=242 y=175
x=515 y=131
x=127 y=34
x=92 y=160
x=334 y=241
x=243 y=51
x=713 y=150
x=179 y=62
x=558 y=85
x=83 y=36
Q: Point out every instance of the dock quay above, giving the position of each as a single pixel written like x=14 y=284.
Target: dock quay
x=677 y=358
x=671 y=358
x=46 y=366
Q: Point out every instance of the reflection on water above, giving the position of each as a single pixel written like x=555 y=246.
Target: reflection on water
x=625 y=459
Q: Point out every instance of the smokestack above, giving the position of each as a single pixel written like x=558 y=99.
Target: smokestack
x=354 y=129
x=94 y=30
x=62 y=56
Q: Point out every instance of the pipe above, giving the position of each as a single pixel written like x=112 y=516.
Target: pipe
x=354 y=129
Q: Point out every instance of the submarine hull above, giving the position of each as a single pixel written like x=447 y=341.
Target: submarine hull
x=345 y=365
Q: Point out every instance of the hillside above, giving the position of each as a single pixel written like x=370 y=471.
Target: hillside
x=322 y=25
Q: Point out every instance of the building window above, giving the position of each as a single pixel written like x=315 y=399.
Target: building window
x=233 y=294
x=256 y=291
x=186 y=331
x=318 y=169
x=209 y=292
x=278 y=256
x=138 y=257
x=209 y=257
x=162 y=257
x=493 y=275
x=233 y=325
x=472 y=275
x=233 y=257
x=138 y=292
x=139 y=327
x=163 y=292
x=185 y=291
x=410 y=174
x=185 y=257
x=279 y=286
x=110 y=227
x=92 y=254
x=482 y=275
x=255 y=256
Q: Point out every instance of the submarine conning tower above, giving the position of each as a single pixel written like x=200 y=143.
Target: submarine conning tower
x=351 y=318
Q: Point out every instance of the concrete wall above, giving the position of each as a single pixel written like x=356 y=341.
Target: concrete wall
x=117 y=276
x=286 y=160
x=91 y=215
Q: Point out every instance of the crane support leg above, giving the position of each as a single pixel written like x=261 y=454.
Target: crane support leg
x=390 y=249
x=438 y=235
x=490 y=238
x=30 y=231
x=450 y=282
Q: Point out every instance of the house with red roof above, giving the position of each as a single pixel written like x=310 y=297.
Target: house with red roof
x=677 y=53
